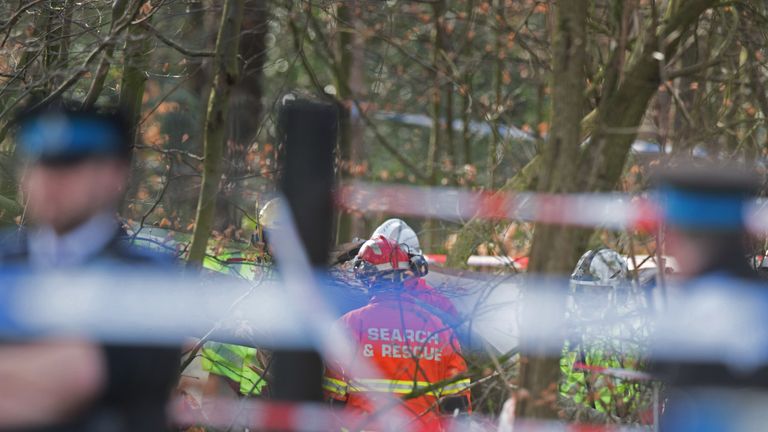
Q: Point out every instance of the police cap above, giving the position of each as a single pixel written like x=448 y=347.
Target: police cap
x=61 y=135
x=705 y=196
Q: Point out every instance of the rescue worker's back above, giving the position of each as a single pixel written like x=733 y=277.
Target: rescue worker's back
x=415 y=353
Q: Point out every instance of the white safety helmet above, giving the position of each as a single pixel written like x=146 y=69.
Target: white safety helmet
x=269 y=216
x=268 y=220
x=600 y=268
x=599 y=277
x=398 y=231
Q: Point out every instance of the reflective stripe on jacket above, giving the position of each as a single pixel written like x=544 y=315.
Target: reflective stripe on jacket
x=233 y=264
x=342 y=388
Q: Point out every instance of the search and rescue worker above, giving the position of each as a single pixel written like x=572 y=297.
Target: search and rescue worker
x=76 y=170
x=601 y=292
x=237 y=368
x=412 y=349
x=401 y=233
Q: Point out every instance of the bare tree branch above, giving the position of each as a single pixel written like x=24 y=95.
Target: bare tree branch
x=175 y=45
x=8 y=25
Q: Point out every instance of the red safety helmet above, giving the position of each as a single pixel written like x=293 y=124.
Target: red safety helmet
x=381 y=259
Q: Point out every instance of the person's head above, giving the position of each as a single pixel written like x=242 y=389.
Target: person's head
x=383 y=265
x=399 y=232
x=76 y=164
x=595 y=280
x=704 y=214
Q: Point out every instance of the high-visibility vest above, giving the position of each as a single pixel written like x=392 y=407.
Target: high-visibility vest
x=412 y=349
x=604 y=394
x=235 y=264
x=236 y=363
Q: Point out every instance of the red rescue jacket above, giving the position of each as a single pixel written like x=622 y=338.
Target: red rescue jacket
x=426 y=293
x=412 y=350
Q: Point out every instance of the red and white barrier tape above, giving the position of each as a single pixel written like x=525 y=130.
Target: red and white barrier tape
x=266 y=415
x=618 y=211
x=259 y=414
x=611 y=210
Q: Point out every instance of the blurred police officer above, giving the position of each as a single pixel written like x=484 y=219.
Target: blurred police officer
x=704 y=215
x=76 y=169
x=704 y=211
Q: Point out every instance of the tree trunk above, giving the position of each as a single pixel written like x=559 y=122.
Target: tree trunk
x=215 y=134
x=449 y=134
x=449 y=145
x=466 y=99
x=100 y=77
x=195 y=32
x=199 y=33
x=435 y=136
x=621 y=112
x=436 y=145
x=466 y=118
x=246 y=108
x=756 y=76
x=613 y=125
x=136 y=60
x=609 y=147
x=540 y=374
x=345 y=164
x=350 y=85
x=496 y=144
x=57 y=40
x=135 y=65
x=682 y=131
x=8 y=181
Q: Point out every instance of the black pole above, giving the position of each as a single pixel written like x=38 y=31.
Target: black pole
x=308 y=131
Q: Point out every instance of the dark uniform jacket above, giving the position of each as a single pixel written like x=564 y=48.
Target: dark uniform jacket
x=706 y=374
x=139 y=378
